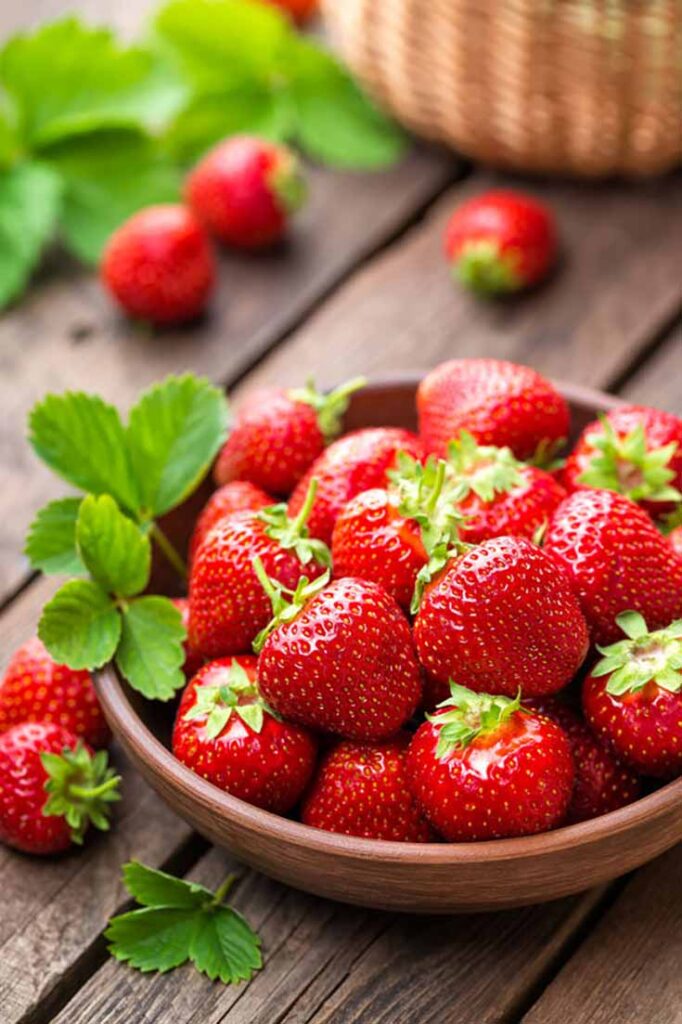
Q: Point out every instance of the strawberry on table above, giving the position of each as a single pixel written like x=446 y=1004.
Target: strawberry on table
x=238 y=496
x=227 y=604
x=52 y=788
x=502 y=618
x=225 y=732
x=501 y=241
x=498 y=402
x=602 y=783
x=338 y=657
x=401 y=535
x=159 y=265
x=36 y=689
x=634 y=450
x=500 y=496
x=245 y=190
x=482 y=768
x=277 y=435
x=632 y=698
x=356 y=462
x=361 y=790
x=617 y=559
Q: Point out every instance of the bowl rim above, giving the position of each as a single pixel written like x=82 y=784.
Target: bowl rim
x=128 y=726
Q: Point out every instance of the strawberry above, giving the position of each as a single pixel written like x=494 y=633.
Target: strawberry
x=675 y=539
x=399 y=536
x=338 y=657
x=193 y=659
x=361 y=790
x=500 y=496
x=500 y=241
x=278 y=434
x=245 y=190
x=159 y=265
x=499 y=403
x=634 y=450
x=502 y=618
x=357 y=462
x=226 y=733
x=617 y=560
x=632 y=699
x=300 y=10
x=602 y=783
x=51 y=788
x=227 y=605
x=484 y=768
x=36 y=689
x=238 y=496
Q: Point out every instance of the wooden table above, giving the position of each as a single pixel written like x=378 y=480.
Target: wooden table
x=362 y=288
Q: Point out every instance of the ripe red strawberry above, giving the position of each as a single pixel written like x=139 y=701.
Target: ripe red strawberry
x=361 y=790
x=501 y=619
x=500 y=241
x=339 y=658
x=238 y=496
x=36 y=689
x=159 y=265
x=633 y=697
x=483 y=768
x=51 y=788
x=498 y=402
x=355 y=463
x=226 y=733
x=400 y=536
x=227 y=605
x=193 y=659
x=634 y=450
x=245 y=190
x=617 y=560
x=278 y=434
x=602 y=783
x=500 y=496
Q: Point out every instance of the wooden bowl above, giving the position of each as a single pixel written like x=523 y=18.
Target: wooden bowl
x=432 y=878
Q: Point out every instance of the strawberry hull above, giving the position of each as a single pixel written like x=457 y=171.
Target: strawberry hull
x=413 y=877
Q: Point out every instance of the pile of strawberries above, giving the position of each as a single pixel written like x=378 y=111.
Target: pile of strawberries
x=406 y=636
x=428 y=635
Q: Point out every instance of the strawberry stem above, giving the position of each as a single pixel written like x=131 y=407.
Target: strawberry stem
x=306 y=508
x=91 y=792
x=330 y=408
x=169 y=550
x=222 y=890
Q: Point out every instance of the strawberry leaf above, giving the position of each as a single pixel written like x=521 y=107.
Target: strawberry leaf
x=82 y=439
x=51 y=539
x=116 y=553
x=153 y=888
x=81 y=625
x=30 y=196
x=174 y=432
x=225 y=947
x=153 y=939
x=150 y=653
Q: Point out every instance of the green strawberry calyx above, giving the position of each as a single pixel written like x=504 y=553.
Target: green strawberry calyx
x=427 y=495
x=625 y=463
x=80 y=787
x=471 y=715
x=286 y=604
x=331 y=407
x=642 y=658
x=287 y=182
x=293 y=534
x=484 y=268
x=235 y=693
x=483 y=470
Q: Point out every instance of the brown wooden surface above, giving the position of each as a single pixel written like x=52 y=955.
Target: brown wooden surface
x=364 y=289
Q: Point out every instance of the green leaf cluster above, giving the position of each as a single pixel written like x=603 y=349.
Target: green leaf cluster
x=132 y=474
x=642 y=658
x=91 y=130
x=180 y=921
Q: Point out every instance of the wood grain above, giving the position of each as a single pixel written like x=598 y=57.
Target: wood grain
x=658 y=382
x=628 y=970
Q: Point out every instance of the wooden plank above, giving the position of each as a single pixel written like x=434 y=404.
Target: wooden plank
x=361 y=965
x=628 y=970
x=618 y=282
x=659 y=382
x=65 y=334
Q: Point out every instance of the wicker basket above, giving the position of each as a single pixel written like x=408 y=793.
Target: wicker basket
x=584 y=87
